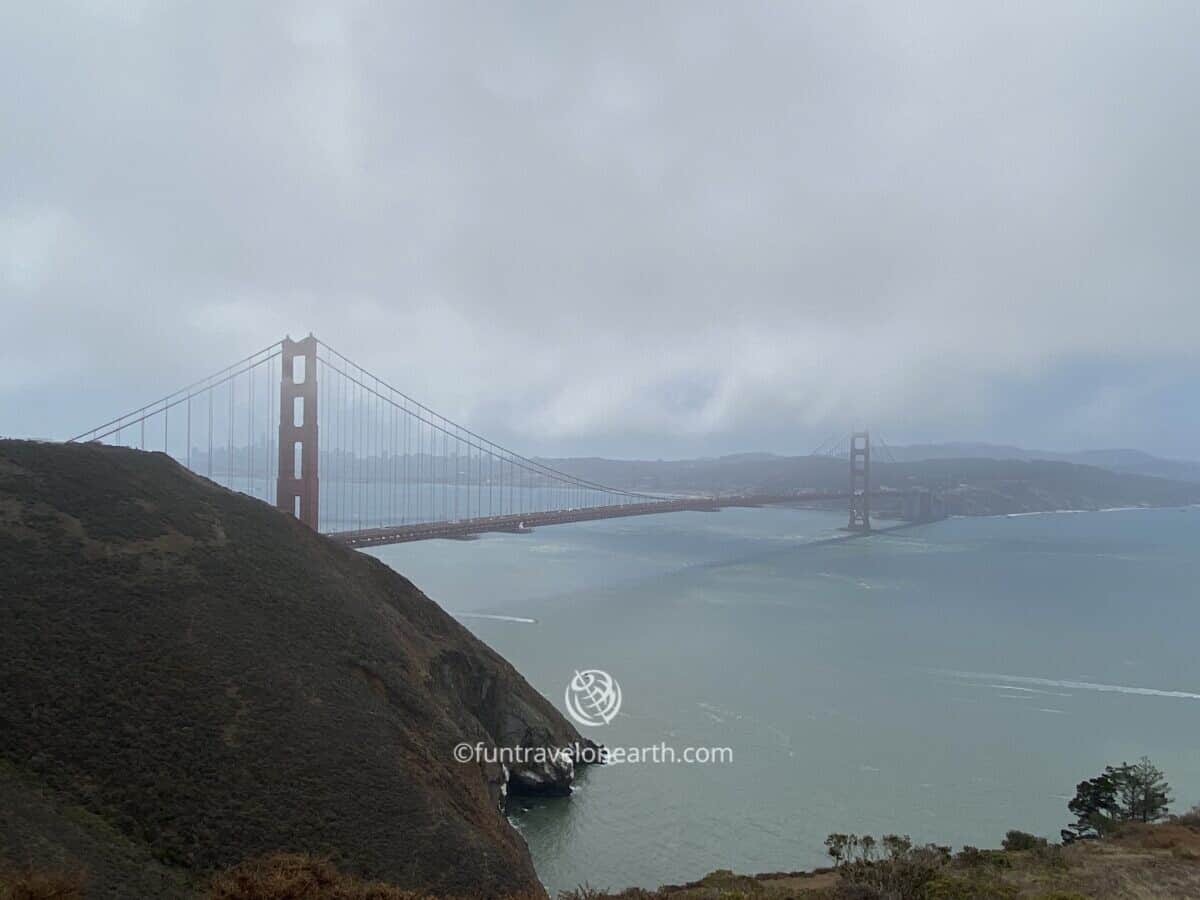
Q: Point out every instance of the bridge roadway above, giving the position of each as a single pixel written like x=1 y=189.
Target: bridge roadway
x=522 y=522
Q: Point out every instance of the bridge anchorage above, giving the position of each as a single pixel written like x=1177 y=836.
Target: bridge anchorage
x=302 y=427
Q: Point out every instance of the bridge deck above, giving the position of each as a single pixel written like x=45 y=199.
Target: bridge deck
x=421 y=531
x=398 y=534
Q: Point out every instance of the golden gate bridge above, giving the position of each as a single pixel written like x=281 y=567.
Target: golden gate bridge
x=299 y=425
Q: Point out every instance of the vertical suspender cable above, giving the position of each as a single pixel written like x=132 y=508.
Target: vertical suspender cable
x=404 y=514
x=251 y=488
x=391 y=463
x=363 y=483
x=373 y=423
x=360 y=442
x=341 y=451
x=229 y=439
x=272 y=430
x=379 y=454
x=378 y=419
x=322 y=488
x=417 y=470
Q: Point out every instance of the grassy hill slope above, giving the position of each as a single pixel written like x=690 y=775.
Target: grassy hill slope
x=189 y=678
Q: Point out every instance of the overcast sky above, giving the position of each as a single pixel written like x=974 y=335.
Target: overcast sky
x=636 y=229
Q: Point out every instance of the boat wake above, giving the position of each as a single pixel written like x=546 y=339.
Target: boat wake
x=1072 y=685
x=522 y=620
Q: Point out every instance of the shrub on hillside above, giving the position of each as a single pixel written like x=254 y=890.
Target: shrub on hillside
x=583 y=892
x=891 y=867
x=1191 y=818
x=1050 y=855
x=295 y=876
x=847 y=891
x=1022 y=840
x=949 y=887
x=974 y=858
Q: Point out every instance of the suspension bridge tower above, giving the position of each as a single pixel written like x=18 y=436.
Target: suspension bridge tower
x=860 y=481
x=296 y=487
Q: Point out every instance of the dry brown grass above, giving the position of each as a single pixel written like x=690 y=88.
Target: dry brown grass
x=1140 y=862
x=1167 y=836
x=298 y=876
x=30 y=884
x=293 y=876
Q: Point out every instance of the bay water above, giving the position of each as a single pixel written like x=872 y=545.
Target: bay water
x=947 y=681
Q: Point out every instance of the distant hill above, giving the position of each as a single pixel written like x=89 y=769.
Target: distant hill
x=189 y=678
x=974 y=485
x=1135 y=462
x=999 y=486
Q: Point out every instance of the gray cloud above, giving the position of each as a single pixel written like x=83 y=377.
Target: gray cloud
x=633 y=228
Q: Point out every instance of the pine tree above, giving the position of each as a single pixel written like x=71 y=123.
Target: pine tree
x=1094 y=807
x=1143 y=794
x=1135 y=792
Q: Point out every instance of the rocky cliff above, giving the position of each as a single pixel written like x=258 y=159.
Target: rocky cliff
x=189 y=676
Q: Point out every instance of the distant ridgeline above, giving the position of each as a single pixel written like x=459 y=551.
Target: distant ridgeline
x=969 y=486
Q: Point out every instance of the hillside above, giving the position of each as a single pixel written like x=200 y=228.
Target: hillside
x=1138 y=862
x=996 y=486
x=1141 y=862
x=189 y=678
x=972 y=485
x=1134 y=462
